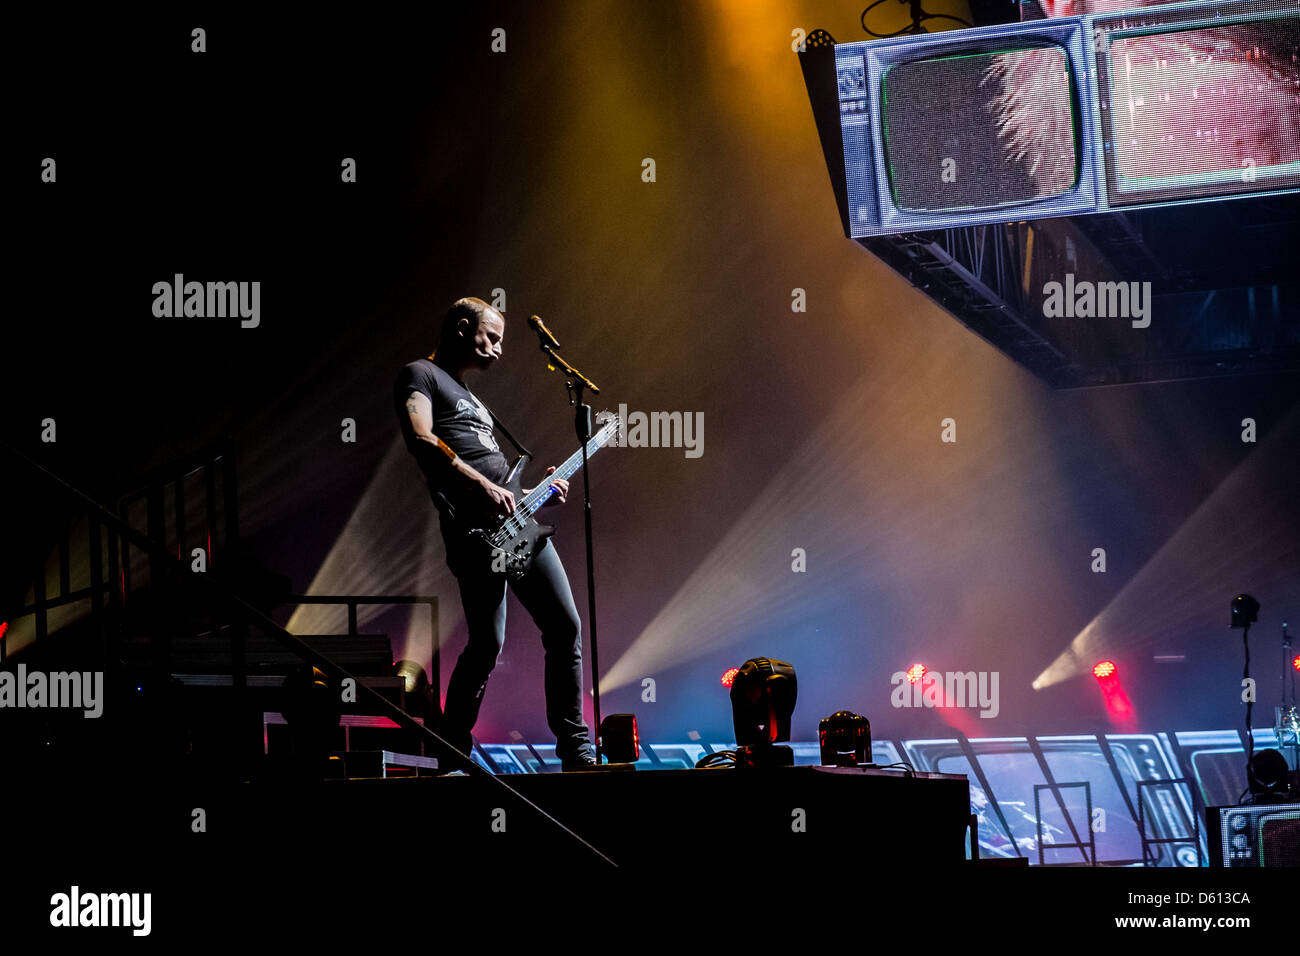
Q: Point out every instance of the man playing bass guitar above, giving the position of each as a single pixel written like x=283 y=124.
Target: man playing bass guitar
x=450 y=433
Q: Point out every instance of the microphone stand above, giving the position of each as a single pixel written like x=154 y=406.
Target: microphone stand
x=575 y=384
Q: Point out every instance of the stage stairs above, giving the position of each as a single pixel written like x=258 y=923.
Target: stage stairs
x=179 y=619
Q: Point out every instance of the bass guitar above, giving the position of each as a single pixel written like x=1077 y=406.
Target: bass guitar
x=511 y=543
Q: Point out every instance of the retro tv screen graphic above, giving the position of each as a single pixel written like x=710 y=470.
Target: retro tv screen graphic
x=1207 y=111
x=1124 y=106
x=1253 y=836
x=950 y=138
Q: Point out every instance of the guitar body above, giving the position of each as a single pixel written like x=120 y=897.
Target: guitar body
x=509 y=545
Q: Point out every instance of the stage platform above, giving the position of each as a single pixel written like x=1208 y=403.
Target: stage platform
x=397 y=861
x=631 y=822
x=642 y=821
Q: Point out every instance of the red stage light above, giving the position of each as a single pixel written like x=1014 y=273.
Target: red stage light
x=729 y=676
x=1295 y=662
x=1103 y=669
x=915 y=673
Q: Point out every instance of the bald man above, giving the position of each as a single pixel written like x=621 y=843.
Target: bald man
x=450 y=433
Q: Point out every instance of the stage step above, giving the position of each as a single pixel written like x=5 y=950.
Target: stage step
x=371 y=729
x=368 y=655
x=369 y=764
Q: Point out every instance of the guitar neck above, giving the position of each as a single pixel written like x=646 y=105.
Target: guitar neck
x=541 y=494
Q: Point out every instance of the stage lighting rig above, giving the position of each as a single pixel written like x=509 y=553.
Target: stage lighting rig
x=845 y=739
x=1245 y=611
x=418 y=694
x=1270 y=777
x=1286 y=716
x=619 y=740
x=762 y=700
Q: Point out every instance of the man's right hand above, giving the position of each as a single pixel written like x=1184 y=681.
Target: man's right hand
x=500 y=500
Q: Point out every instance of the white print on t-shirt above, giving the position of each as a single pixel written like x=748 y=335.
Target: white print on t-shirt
x=478 y=415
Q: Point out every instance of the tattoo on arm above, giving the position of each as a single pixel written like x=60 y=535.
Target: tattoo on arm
x=421 y=412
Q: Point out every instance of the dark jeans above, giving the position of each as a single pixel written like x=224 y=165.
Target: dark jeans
x=544 y=592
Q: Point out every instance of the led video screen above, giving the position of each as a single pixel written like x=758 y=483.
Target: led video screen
x=1208 y=111
x=1252 y=836
x=981 y=129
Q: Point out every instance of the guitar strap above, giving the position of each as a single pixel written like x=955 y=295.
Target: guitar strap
x=505 y=431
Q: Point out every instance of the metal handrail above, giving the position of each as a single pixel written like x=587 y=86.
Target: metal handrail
x=353 y=600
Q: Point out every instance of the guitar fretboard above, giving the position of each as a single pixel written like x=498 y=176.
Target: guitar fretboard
x=525 y=508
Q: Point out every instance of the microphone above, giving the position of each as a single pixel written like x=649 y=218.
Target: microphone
x=543 y=333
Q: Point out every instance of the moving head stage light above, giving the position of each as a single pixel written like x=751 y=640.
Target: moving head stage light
x=845 y=739
x=762 y=700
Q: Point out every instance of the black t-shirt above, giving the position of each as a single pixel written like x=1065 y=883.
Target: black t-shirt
x=459 y=419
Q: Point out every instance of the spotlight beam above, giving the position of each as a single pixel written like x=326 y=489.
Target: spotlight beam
x=1229 y=541
x=372 y=555
x=862 y=543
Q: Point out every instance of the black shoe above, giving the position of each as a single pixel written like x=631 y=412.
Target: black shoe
x=581 y=762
